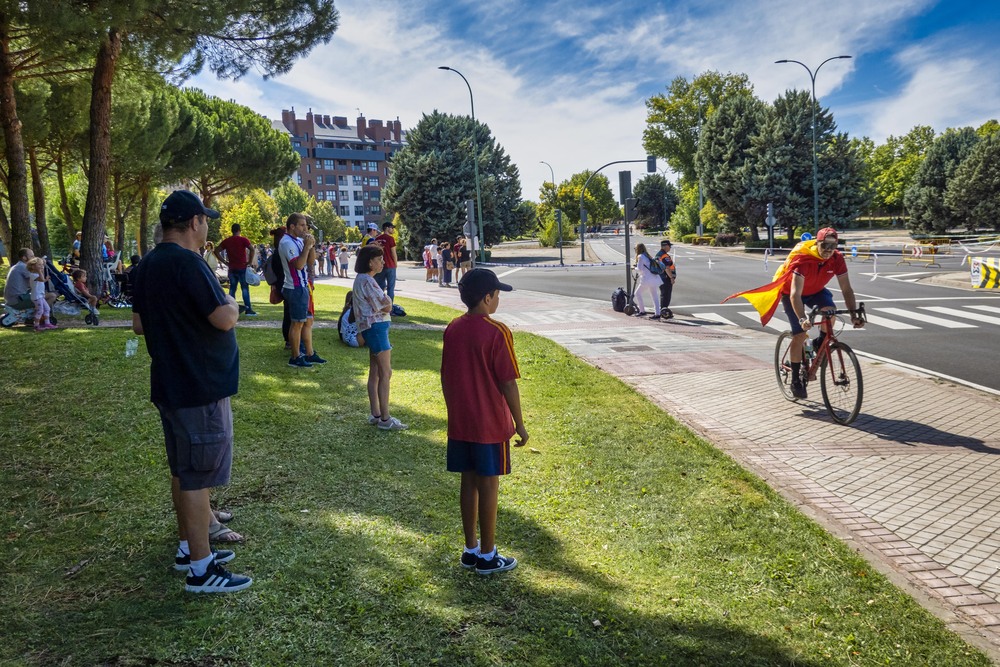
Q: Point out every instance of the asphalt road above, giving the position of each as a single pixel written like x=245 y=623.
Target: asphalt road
x=947 y=331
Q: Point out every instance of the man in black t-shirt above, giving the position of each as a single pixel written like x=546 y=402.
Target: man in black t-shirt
x=188 y=323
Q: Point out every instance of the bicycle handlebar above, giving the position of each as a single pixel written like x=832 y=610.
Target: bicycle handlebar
x=860 y=312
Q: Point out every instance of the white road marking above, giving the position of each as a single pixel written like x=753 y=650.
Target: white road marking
x=963 y=314
x=889 y=324
x=775 y=323
x=929 y=319
x=714 y=317
x=988 y=309
x=507 y=273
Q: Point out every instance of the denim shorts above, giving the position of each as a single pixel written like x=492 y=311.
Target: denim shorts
x=199 y=443
x=377 y=338
x=485 y=460
x=822 y=299
x=297 y=299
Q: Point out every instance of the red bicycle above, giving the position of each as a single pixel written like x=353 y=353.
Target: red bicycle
x=834 y=362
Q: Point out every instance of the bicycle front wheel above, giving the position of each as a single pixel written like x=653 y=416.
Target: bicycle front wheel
x=840 y=376
x=783 y=365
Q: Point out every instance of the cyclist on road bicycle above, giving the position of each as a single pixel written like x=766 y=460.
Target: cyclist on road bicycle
x=810 y=271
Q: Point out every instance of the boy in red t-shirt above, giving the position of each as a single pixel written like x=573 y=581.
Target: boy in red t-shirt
x=479 y=380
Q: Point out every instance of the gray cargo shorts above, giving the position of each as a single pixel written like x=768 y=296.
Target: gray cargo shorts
x=199 y=443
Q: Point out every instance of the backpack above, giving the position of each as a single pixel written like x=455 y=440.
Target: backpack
x=618 y=300
x=656 y=267
x=274 y=273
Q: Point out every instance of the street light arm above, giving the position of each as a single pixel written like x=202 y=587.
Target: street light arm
x=798 y=62
x=475 y=164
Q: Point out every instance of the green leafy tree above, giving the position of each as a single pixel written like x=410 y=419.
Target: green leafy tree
x=290 y=198
x=353 y=235
x=655 y=201
x=245 y=151
x=687 y=215
x=549 y=233
x=893 y=164
x=988 y=129
x=725 y=162
x=924 y=198
x=325 y=217
x=433 y=176
x=255 y=213
x=712 y=220
x=673 y=118
x=973 y=192
x=598 y=201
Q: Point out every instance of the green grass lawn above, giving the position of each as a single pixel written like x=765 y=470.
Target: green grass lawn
x=638 y=542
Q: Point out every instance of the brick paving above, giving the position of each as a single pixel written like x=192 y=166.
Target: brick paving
x=913 y=484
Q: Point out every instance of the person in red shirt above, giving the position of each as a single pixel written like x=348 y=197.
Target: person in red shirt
x=386 y=278
x=239 y=255
x=807 y=287
x=479 y=379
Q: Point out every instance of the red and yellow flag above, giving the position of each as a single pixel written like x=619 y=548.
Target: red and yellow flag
x=765 y=299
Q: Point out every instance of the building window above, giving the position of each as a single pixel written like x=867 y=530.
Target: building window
x=328 y=164
x=357 y=195
x=355 y=165
x=319 y=179
x=308 y=168
x=343 y=195
x=373 y=181
x=358 y=180
x=331 y=195
x=359 y=210
x=342 y=180
x=296 y=144
x=375 y=210
x=298 y=178
x=373 y=166
x=342 y=164
x=319 y=165
x=345 y=211
x=376 y=195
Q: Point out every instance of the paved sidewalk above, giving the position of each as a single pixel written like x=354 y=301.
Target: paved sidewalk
x=913 y=484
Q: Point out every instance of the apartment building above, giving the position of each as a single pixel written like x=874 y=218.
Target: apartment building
x=344 y=164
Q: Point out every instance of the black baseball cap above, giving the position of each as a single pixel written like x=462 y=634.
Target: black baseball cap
x=184 y=205
x=477 y=283
x=666 y=242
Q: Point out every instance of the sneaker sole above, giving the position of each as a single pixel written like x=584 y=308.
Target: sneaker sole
x=486 y=573
x=217 y=589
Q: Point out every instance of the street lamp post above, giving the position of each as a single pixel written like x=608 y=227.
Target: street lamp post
x=554 y=209
x=812 y=77
x=475 y=163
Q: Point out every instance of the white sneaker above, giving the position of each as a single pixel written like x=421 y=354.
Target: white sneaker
x=392 y=424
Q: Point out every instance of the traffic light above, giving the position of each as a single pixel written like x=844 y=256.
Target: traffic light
x=650 y=164
x=770 y=210
x=629 y=209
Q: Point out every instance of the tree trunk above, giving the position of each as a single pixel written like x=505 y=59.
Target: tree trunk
x=17 y=175
x=98 y=172
x=143 y=219
x=119 y=215
x=38 y=195
x=64 y=200
x=5 y=232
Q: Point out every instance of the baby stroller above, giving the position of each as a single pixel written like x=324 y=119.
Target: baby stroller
x=71 y=303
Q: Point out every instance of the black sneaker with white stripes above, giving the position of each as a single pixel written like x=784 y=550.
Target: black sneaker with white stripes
x=217 y=579
x=183 y=563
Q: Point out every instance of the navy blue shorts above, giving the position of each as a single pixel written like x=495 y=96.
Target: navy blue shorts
x=485 y=460
x=377 y=338
x=822 y=299
x=199 y=444
x=297 y=299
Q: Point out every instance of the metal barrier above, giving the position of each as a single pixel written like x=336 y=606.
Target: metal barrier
x=860 y=253
x=919 y=253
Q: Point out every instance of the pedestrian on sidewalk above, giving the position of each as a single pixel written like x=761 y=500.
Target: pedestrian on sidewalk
x=447 y=264
x=668 y=277
x=372 y=308
x=648 y=282
x=479 y=380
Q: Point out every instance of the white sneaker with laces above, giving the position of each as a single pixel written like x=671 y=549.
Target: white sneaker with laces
x=392 y=424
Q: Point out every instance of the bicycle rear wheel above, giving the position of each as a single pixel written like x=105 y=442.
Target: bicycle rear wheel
x=840 y=380
x=783 y=365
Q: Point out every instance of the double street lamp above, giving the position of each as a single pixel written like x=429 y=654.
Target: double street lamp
x=812 y=77
x=475 y=163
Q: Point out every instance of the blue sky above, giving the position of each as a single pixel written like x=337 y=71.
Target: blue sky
x=565 y=81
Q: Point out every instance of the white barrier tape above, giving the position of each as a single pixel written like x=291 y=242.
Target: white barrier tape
x=874 y=265
x=550 y=266
x=767 y=254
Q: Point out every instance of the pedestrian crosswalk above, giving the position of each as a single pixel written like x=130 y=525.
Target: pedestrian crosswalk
x=887 y=317
x=553 y=317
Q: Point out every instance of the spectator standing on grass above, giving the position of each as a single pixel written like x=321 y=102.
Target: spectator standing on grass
x=668 y=278
x=188 y=322
x=295 y=249
x=386 y=278
x=479 y=378
x=371 y=308
x=344 y=256
x=370 y=235
x=239 y=255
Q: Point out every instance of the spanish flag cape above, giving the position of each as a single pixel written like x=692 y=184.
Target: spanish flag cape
x=765 y=299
